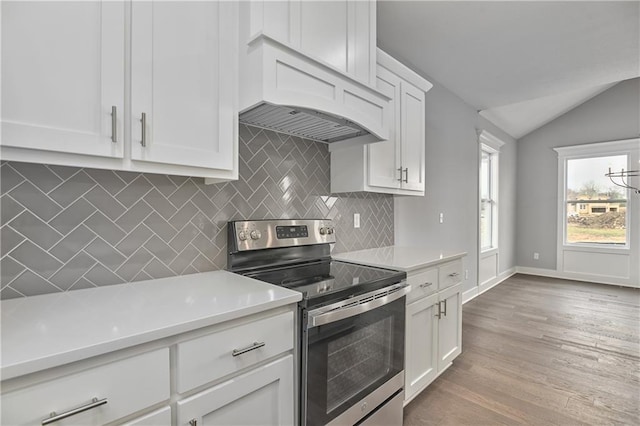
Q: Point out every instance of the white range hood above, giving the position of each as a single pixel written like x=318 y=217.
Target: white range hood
x=286 y=91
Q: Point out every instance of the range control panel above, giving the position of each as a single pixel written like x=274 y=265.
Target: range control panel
x=299 y=231
x=263 y=234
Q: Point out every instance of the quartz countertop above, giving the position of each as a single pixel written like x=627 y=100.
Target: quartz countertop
x=400 y=258
x=49 y=330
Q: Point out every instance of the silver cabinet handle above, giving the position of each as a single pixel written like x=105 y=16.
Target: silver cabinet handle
x=256 y=345
x=425 y=285
x=454 y=274
x=95 y=402
x=439 y=314
x=143 y=120
x=406 y=175
x=400 y=170
x=114 y=124
x=193 y=422
x=445 y=307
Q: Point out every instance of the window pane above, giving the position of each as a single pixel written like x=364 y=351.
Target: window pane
x=485 y=224
x=596 y=208
x=485 y=176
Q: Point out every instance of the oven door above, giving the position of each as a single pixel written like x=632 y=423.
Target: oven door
x=350 y=349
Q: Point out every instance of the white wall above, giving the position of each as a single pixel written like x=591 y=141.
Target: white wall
x=452 y=166
x=612 y=115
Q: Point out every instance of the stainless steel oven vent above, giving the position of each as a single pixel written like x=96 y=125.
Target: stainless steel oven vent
x=302 y=122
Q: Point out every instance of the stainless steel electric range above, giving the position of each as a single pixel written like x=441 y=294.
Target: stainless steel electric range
x=351 y=319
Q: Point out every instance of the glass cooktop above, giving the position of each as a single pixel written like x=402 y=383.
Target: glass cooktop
x=328 y=280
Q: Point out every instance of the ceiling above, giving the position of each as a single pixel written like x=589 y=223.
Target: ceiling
x=520 y=63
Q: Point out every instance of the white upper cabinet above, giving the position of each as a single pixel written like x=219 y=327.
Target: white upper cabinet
x=341 y=33
x=62 y=75
x=179 y=85
x=397 y=165
x=65 y=69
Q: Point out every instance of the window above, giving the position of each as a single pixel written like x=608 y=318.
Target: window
x=488 y=202
x=602 y=214
x=488 y=188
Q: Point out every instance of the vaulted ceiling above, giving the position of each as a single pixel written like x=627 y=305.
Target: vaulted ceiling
x=520 y=63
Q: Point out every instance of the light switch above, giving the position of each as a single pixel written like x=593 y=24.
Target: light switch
x=356 y=220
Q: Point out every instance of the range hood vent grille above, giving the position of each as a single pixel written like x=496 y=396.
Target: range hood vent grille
x=301 y=122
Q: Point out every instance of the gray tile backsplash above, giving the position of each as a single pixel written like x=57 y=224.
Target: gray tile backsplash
x=66 y=228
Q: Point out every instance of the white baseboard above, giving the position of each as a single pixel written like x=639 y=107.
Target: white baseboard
x=551 y=273
x=488 y=285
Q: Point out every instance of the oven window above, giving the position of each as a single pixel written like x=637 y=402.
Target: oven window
x=346 y=360
x=357 y=360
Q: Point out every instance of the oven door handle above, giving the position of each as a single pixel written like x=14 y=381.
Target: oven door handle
x=362 y=304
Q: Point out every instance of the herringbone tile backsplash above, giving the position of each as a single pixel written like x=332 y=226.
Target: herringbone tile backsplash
x=66 y=228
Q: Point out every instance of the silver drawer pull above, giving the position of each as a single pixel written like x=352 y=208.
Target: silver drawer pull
x=425 y=285
x=256 y=345
x=95 y=402
x=114 y=124
x=454 y=274
x=143 y=120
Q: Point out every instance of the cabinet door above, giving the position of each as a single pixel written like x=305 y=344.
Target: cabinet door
x=62 y=72
x=421 y=353
x=263 y=396
x=412 y=117
x=450 y=326
x=340 y=33
x=384 y=157
x=184 y=68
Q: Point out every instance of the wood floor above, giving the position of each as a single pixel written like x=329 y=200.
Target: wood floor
x=541 y=351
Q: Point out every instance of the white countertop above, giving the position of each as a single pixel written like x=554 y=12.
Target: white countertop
x=399 y=258
x=45 y=331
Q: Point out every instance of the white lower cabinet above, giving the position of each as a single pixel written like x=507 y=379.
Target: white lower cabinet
x=263 y=396
x=421 y=351
x=433 y=325
x=108 y=392
x=449 y=326
x=239 y=372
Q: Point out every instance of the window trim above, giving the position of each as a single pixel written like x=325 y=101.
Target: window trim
x=576 y=152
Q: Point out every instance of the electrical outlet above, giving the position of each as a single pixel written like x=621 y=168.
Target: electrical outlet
x=536 y=256
x=441 y=217
x=356 y=220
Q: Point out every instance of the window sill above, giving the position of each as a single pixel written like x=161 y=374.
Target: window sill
x=488 y=252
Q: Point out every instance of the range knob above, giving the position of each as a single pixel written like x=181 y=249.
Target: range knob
x=255 y=235
x=323 y=230
x=330 y=231
x=242 y=236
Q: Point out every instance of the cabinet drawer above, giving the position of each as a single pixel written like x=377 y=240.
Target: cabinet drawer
x=450 y=274
x=160 y=417
x=129 y=385
x=422 y=284
x=208 y=358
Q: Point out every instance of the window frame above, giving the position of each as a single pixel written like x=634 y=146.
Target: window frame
x=490 y=145
x=595 y=150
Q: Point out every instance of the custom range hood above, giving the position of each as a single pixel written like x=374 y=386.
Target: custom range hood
x=283 y=90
